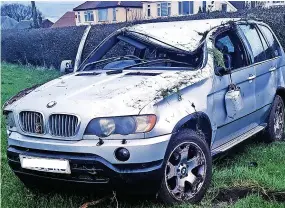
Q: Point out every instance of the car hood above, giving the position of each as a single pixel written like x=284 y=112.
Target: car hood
x=99 y=94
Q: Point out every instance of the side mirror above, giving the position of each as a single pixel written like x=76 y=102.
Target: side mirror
x=66 y=67
x=228 y=66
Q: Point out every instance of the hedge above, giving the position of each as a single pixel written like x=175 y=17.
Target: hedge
x=48 y=47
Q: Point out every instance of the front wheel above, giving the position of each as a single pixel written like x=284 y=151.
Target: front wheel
x=275 y=128
x=187 y=169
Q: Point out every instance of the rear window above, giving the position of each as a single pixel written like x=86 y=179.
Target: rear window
x=273 y=43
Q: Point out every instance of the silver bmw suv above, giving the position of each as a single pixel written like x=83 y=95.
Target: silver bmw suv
x=151 y=106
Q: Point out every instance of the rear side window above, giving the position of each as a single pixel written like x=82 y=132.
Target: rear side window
x=267 y=49
x=255 y=42
x=273 y=43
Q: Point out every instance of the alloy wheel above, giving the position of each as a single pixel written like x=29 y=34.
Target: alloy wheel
x=185 y=171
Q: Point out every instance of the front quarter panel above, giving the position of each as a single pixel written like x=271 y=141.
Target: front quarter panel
x=175 y=107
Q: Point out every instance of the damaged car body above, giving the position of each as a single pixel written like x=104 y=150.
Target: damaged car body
x=151 y=105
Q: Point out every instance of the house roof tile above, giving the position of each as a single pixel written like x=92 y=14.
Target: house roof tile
x=68 y=19
x=107 y=4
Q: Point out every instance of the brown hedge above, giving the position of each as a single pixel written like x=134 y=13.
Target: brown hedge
x=48 y=47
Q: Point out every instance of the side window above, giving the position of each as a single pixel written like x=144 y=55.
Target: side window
x=273 y=44
x=229 y=43
x=226 y=42
x=267 y=49
x=255 y=42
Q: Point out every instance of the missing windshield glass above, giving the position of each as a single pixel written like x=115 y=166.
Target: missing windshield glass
x=128 y=50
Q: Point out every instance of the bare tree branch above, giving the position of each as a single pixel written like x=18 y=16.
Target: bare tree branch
x=19 y=12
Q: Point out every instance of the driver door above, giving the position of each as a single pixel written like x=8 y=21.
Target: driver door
x=243 y=77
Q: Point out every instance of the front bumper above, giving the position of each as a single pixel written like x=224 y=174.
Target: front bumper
x=93 y=164
x=91 y=170
x=141 y=150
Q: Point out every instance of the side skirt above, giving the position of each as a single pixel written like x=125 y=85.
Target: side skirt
x=238 y=139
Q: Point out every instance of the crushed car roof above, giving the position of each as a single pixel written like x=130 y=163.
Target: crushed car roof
x=185 y=35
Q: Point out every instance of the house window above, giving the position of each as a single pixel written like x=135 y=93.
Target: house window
x=169 y=9
x=114 y=14
x=158 y=10
x=148 y=10
x=163 y=9
x=224 y=7
x=103 y=14
x=186 y=7
x=89 y=16
x=78 y=17
x=204 y=6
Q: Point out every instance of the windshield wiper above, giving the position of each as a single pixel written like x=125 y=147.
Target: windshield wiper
x=114 y=72
x=157 y=61
x=129 y=57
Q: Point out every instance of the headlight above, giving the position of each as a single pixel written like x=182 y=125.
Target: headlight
x=124 y=125
x=101 y=127
x=10 y=121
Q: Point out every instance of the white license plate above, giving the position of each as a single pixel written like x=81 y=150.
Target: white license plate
x=45 y=164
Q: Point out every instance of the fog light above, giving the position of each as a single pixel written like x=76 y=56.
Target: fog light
x=122 y=154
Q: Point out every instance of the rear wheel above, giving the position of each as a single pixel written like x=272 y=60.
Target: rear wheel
x=275 y=128
x=187 y=169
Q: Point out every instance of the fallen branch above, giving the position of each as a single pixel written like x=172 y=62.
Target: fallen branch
x=92 y=203
x=87 y=204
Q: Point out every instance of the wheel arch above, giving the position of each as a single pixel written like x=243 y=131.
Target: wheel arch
x=281 y=92
x=194 y=121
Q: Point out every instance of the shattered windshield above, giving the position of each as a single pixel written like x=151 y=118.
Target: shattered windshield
x=132 y=51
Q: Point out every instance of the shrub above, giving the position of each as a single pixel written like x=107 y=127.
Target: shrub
x=48 y=47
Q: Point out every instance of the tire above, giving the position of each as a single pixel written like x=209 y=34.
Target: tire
x=275 y=128
x=189 y=158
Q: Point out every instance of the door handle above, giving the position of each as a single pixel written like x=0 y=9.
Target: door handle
x=251 y=77
x=272 y=69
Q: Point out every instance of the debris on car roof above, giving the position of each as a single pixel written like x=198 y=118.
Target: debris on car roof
x=188 y=33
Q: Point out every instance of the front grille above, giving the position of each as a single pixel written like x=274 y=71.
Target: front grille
x=32 y=122
x=63 y=125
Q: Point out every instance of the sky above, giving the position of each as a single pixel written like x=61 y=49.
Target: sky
x=51 y=10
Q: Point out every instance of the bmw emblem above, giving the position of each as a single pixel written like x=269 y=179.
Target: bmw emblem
x=51 y=104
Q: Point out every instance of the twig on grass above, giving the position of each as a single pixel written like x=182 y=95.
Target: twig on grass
x=115 y=198
x=92 y=203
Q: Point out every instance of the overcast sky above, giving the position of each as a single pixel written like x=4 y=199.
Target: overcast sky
x=51 y=10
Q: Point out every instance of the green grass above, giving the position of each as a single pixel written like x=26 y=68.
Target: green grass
x=256 y=201
x=231 y=171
